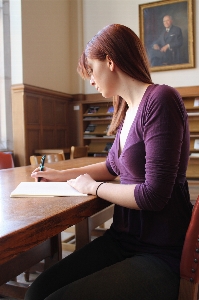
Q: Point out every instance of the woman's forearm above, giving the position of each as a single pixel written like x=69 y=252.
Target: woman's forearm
x=97 y=171
x=120 y=194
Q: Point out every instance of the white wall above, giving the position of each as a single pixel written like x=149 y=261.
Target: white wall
x=99 y=13
x=46 y=44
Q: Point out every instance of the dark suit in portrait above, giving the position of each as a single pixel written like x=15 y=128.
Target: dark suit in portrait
x=166 y=49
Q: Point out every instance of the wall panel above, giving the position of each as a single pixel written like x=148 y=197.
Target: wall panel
x=40 y=121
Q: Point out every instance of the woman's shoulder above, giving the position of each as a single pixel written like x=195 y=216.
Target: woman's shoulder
x=163 y=97
x=162 y=88
x=162 y=92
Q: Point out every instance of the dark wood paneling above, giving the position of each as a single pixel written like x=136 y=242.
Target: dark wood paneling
x=62 y=138
x=33 y=140
x=40 y=121
x=48 y=139
x=61 y=113
x=47 y=110
x=32 y=111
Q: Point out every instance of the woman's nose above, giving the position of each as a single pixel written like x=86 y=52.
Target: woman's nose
x=92 y=80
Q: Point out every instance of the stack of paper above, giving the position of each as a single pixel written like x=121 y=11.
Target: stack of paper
x=44 y=189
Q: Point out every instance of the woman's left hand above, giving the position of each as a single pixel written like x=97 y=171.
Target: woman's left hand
x=84 y=184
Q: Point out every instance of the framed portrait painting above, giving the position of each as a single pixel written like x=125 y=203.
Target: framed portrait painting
x=166 y=30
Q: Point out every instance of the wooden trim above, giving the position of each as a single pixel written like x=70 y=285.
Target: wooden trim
x=186 y=91
x=90 y=98
x=40 y=91
x=78 y=97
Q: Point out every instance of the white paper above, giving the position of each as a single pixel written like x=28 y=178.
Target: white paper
x=44 y=189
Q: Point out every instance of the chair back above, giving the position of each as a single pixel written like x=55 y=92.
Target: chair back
x=50 y=158
x=189 y=266
x=78 y=151
x=50 y=151
x=6 y=160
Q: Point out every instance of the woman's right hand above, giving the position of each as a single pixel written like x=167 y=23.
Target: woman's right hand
x=47 y=174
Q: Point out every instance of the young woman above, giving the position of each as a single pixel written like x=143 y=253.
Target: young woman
x=138 y=257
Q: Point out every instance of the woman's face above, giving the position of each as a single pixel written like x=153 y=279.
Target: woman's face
x=101 y=76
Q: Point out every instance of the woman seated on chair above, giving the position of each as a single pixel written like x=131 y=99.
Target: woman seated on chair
x=139 y=256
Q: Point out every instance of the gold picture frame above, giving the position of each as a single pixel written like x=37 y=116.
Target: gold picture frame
x=180 y=49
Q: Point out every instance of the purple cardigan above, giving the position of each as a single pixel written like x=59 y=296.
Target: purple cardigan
x=155 y=158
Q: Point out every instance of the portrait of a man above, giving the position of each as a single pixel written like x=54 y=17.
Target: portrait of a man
x=165 y=31
x=166 y=49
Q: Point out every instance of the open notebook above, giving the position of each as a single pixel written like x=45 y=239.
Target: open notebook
x=44 y=189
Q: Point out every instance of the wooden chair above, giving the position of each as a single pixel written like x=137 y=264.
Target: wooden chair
x=50 y=158
x=78 y=151
x=6 y=160
x=50 y=151
x=189 y=266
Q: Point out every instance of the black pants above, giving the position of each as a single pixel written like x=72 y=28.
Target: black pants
x=103 y=271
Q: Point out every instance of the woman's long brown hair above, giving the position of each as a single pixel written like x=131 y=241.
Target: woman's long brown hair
x=125 y=49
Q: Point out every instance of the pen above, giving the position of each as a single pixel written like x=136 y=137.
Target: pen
x=41 y=166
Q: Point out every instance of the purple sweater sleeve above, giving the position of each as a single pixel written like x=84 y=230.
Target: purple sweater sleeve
x=165 y=130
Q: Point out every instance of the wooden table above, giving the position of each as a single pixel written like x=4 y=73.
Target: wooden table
x=29 y=227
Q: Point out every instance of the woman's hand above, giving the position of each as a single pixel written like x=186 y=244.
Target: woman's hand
x=84 y=184
x=47 y=174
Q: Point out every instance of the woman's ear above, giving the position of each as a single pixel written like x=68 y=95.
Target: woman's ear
x=110 y=63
